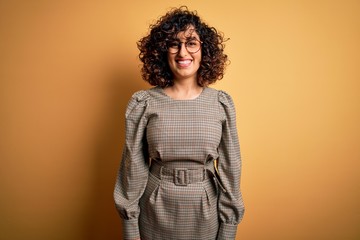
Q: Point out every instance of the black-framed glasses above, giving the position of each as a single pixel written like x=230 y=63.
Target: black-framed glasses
x=192 y=46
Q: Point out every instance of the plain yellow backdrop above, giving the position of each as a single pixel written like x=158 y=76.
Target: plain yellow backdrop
x=68 y=68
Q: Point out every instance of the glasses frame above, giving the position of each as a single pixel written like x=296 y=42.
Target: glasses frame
x=179 y=46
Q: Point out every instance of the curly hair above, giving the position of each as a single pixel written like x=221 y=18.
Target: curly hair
x=153 y=48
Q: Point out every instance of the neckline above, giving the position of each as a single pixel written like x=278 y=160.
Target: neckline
x=182 y=100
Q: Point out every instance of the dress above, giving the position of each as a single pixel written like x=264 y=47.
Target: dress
x=179 y=135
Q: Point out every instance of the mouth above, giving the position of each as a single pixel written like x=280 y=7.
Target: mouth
x=183 y=62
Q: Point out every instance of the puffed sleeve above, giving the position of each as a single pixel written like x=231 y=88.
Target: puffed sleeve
x=133 y=172
x=231 y=206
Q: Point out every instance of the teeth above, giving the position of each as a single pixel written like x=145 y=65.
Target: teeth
x=184 y=61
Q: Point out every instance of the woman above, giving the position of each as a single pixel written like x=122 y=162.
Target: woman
x=167 y=186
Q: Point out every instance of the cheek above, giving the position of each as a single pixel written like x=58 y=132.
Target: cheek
x=170 y=60
x=199 y=57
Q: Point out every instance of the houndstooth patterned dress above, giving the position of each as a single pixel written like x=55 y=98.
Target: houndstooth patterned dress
x=167 y=187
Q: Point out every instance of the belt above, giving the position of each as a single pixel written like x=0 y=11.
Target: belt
x=185 y=176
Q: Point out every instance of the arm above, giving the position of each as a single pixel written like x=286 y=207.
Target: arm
x=231 y=206
x=133 y=173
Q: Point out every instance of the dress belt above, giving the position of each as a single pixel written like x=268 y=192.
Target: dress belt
x=182 y=176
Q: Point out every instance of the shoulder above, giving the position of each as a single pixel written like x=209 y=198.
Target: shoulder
x=140 y=96
x=222 y=97
x=227 y=105
x=225 y=99
x=137 y=101
x=224 y=102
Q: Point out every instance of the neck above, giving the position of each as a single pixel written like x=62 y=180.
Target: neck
x=186 y=86
x=184 y=90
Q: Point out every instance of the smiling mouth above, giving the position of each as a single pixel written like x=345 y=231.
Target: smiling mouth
x=184 y=63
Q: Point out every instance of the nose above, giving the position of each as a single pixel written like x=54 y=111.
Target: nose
x=182 y=49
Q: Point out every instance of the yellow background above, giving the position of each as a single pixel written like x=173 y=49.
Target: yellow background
x=68 y=68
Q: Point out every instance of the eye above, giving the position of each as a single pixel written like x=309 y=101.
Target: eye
x=173 y=44
x=192 y=43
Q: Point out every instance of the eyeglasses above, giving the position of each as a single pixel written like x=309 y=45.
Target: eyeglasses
x=192 y=46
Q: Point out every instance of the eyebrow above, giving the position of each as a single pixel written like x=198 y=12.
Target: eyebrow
x=187 y=38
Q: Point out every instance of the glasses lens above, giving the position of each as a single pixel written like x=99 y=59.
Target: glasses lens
x=173 y=47
x=193 y=46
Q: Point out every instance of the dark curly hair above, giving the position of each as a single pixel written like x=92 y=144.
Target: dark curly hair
x=153 y=48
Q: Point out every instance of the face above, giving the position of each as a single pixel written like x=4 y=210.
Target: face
x=185 y=64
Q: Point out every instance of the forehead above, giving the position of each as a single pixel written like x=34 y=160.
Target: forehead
x=189 y=32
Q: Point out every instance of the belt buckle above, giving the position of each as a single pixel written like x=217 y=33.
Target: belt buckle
x=181 y=176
